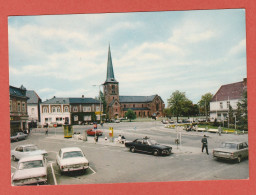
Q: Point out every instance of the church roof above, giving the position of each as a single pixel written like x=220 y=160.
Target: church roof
x=110 y=70
x=33 y=97
x=136 y=99
x=230 y=91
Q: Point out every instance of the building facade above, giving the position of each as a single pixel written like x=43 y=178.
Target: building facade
x=18 y=109
x=69 y=110
x=227 y=95
x=33 y=106
x=117 y=106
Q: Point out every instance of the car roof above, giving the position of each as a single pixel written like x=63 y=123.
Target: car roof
x=31 y=158
x=25 y=145
x=69 y=149
x=234 y=142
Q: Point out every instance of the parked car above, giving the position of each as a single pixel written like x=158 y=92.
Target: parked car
x=71 y=159
x=149 y=146
x=165 y=121
x=231 y=151
x=92 y=132
x=26 y=150
x=31 y=170
x=18 y=136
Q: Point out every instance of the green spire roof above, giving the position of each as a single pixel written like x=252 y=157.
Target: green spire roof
x=110 y=71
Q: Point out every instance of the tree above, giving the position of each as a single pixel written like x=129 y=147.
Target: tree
x=242 y=112
x=177 y=103
x=167 y=112
x=204 y=103
x=130 y=114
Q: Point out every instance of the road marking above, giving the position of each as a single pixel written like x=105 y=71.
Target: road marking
x=54 y=178
x=92 y=170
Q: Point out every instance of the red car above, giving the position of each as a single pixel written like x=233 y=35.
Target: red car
x=92 y=132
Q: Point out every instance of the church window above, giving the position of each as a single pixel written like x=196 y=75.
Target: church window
x=157 y=107
x=113 y=89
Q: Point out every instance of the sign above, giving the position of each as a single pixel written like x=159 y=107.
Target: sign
x=111 y=132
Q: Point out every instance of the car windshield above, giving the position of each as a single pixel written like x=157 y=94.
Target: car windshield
x=30 y=148
x=31 y=164
x=228 y=145
x=152 y=142
x=72 y=154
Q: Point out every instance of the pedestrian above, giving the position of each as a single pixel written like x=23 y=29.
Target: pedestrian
x=219 y=130
x=46 y=131
x=204 y=144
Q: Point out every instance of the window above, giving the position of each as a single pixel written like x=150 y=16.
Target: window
x=87 y=118
x=46 y=120
x=23 y=107
x=113 y=89
x=45 y=110
x=53 y=109
x=75 y=118
x=157 y=107
x=75 y=109
x=66 y=109
x=10 y=105
x=228 y=103
x=86 y=109
x=221 y=105
x=97 y=108
x=133 y=105
x=58 y=109
x=32 y=110
x=142 y=105
x=125 y=106
x=18 y=105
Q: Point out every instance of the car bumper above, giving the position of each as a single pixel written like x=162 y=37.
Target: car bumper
x=224 y=156
x=30 y=182
x=74 y=168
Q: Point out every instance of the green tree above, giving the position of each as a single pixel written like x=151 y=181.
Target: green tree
x=167 y=112
x=242 y=112
x=130 y=114
x=204 y=103
x=177 y=103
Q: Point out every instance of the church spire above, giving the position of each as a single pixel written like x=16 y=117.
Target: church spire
x=110 y=70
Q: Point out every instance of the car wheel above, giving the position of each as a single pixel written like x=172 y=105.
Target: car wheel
x=239 y=159
x=155 y=152
x=132 y=149
x=14 y=158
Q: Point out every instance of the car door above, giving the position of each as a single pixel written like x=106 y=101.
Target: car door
x=138 y=144
x=147 y=147
x=18 y=152
x=245 y=149
x=58 y=157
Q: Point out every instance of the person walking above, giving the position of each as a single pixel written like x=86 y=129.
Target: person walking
x=204 y=144
x=219 y=130
x=46 y=131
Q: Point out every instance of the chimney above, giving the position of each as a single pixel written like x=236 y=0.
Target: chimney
x=245 y=82
x=82 y=96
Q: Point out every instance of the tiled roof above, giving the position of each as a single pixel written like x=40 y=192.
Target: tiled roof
x=125 y=109
x=230 y=92
x=136 y=99
x=83 y=101
x=14 y=91
x=56 y=100
x=33 y=97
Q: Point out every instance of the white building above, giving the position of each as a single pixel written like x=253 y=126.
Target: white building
x=33 y=104
x=229 y=94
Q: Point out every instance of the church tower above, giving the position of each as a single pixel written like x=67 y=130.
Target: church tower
x=111 y=86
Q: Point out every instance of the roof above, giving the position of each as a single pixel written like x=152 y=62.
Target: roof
x=136 y=99
x=19 y=92
x=110 y=70
x=26 y=145
x=83 y=100
x=33 y=97
x=30 y=158
x=69 y=149
x=125 y=109
x=230 y=92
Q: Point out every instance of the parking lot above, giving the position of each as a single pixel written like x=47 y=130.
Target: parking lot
x=111 y=162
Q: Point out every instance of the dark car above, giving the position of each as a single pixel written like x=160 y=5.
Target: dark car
x=92 y=132
x=18 y=136
x=149 y=146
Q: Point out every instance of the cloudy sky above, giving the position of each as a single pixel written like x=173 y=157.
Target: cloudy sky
x=152 y=52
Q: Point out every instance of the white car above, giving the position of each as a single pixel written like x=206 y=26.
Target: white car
x=26 y=150
x=71 y=159
x=31 y=170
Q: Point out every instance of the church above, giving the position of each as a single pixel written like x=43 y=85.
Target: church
x=117 y=105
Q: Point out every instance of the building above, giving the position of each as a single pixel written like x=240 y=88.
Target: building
x=18 y=109
x=33 y=106
x=229 y=94
x=117 y=106
x=69 y=110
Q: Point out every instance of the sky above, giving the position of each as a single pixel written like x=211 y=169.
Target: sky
x=152 y=52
